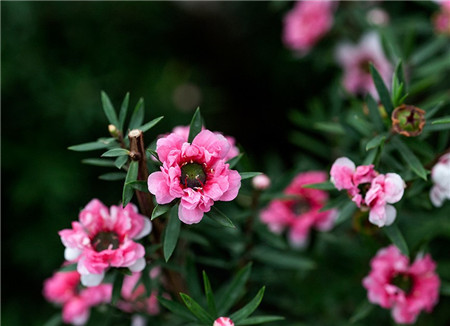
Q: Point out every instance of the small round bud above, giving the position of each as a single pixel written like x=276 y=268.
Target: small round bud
x=223 y=321
x=261 y=182
x=408 y=120
x=378 y=17
x=113 y=130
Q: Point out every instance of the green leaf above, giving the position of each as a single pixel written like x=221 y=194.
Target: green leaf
x=219 y=217
x=92 y=146
x=399 y=73
x=441 y=121
x=330 y=127
x=259 y=320
x=374 y=113
x=409 y=158
x=109 y=110
x=233 y=161
x=146 y=280
x=345 y=213
x=209 y=295
x=120 y=161
x=149 y=125
x=139 y=185
x=69 y=268
x=113 y=176
x=327 y=185
x=431 y=112
x=382 y=90
x=233 y=290
x=117 y=287
x=176 y=308
x=195 y=126
x=123 y=111
x=375 y=142
x=363 y=310
x=132 y=174
x=138 y=115
x=396 y=237
x=55 y=320
x=160 y=210
x=249 y=308
x=116 y=152
x=309 y=143
x=248 y=175
x=429 y=50
x=282 y=259
x=171 y=233
x=98 y=162
x=201 y=314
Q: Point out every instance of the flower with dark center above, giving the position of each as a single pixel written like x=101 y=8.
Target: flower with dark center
x=193 y=175
x=105 y=240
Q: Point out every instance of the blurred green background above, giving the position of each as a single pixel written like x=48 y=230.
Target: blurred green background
x=226 y=58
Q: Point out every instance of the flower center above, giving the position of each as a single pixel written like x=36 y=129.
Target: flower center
x=364 y=65
x=193 y=175
x=105 y=240
x=403 y=281
x=300 y=206
x=364 y=188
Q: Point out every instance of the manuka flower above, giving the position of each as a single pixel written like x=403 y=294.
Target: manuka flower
x=223 y=321
x=356 y=59
x=103 y=238
x=307 y=23
x=301 y=213
x=194 y=172
x=63 y=288
x=440 y=174
x=406 y=289
x=368 y=189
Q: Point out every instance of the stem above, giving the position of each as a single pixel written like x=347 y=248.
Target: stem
x=175 y=284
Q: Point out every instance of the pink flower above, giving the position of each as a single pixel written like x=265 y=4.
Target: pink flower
x=384 y=190
x=183 y=131
x=355 y=60
x=103 y=238
x=223 y=321
x=261 y=182
x=135 y=296
x=407 y=289
x=301 y=213
x=306 y=24
x=440 y=175
x=196 y=173
x=63 y=288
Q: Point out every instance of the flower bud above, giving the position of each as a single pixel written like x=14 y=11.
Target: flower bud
x=261 y=182
x=113 y=131
x=408 y=120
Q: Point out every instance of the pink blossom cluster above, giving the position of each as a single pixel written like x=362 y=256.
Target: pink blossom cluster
x=369 y=189
x=307 y=23
x=440 y=175
x=356 y=59
x=196 y=172
x=301 y=213
x=406 y=289
x=63 y=288
x=223 y=321
x=104 y=237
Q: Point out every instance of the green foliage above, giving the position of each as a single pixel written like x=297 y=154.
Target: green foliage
x=172 y=233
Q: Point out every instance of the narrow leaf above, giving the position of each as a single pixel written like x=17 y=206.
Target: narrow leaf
x=195 y=126
x=327 y=185
x=219 y=217
x=382 y=90
x=109 y=110
x=146 y=280
x=441 y=121
x=232 y=162
x=399 y=73
x=249 y=308
x=345 y=213
x=160 y=210
x=248 y=175
x=139 y=185
x=116 y=152
x=374 y=113
x=120 y=161
x=69 y=268
x=176 y=308
x=138 y=115
x=362 y=311
x=409 y=158
x=117 y=287
x=233 y=291
x=88 y=146
x=149 y=125
x=429 y=50
x=132 y=174
x=123 y=111
x=113 y=176
x=56 y=320
x=282 y=259
x=431 y=112
x=98 y=162
x=259 y=320
x=201 y=314
x=330 y=127
x=171 y=233
x=375 y=142
x=209 y=295
x=396 y=237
